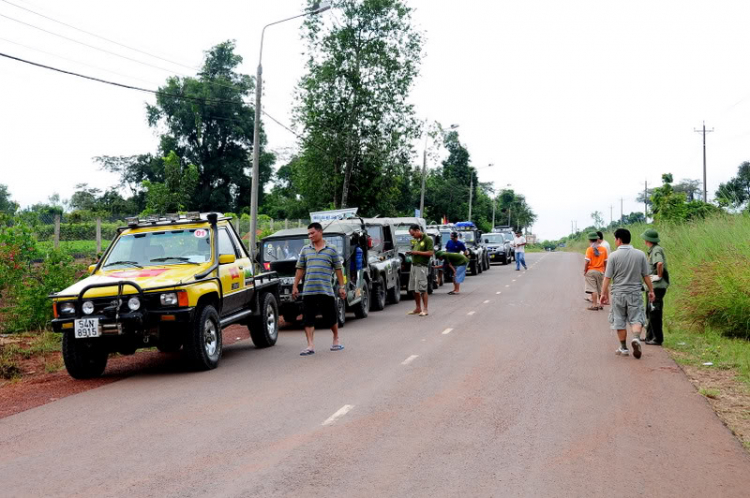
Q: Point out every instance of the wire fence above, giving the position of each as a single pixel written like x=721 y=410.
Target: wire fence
x=89 y=238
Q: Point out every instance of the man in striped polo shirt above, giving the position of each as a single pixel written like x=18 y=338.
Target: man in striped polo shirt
x=316 y=263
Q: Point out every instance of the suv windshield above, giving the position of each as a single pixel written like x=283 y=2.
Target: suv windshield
x=171 y=247
x=494 y=238
x=288 y=249
x=376 y=235
x=466 y=236
x=403 y=240
x=508 y=237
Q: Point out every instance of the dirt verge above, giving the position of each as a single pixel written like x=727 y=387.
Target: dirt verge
x=36 y=385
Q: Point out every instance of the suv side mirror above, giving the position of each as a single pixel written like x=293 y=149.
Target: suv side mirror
x=92 y=268
x=226 y=259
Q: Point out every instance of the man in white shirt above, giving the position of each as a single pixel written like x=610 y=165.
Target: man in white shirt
x=603 y=242
x=519 y=242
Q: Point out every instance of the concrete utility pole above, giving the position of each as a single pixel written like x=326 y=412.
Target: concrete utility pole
x=704 y=131
x=611 y=207
x=622 y=215
x=645 y=202
x=471 y=194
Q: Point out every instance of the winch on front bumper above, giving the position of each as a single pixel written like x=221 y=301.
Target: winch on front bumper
x=121 y=313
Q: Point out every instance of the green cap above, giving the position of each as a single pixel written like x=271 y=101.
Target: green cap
x=440 y=254
x=593 y=236
x=650 y=235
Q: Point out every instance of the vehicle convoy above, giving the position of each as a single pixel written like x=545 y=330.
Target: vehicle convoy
x=171 y=282
x=280 y=251
x=471 y=236
x=498 y=247
x=384 y=262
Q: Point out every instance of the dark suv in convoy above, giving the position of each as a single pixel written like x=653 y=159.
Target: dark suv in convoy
x=279 y=253
x=478 y=257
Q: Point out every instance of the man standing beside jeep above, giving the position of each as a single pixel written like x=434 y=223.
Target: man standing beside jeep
x=422 y=249
x=318 y=261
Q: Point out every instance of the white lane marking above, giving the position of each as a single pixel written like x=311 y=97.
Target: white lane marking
x=424 y=340
x=471 y=313
x=487 y=301
x=513 y=280
x=498 y=292
x=410 y=359
x=342 y=411
x=447 y=331
x=507 y=285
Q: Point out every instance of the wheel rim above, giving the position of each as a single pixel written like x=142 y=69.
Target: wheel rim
x=342 y=312
x=271 y=322
x=365 y=300
x=210 y=335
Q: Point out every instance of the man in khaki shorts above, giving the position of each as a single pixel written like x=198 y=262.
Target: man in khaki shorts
x=627 y=269
x=422 y=249
x=593 y=270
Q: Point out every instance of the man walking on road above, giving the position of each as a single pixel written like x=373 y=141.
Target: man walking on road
x=626 y=269
x=520 y=244
x=593 y=270
x=657 y=261
x=317 y=262
x=422 y=250
x=457 y=263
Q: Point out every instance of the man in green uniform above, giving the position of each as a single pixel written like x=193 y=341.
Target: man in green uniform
x=422 y=250
x=657 y=262
x=457 y=263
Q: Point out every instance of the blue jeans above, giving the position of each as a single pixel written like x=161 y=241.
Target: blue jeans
x=520 y=260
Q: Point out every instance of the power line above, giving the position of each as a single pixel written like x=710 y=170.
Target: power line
x=75 y=61
x=97 y=36
x=91 y=46
x=148 y=90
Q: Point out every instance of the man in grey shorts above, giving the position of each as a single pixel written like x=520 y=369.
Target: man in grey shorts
x=627 y=270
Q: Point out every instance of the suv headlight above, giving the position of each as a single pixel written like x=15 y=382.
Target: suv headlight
x=67 y=308
x=134 y=303
x=169 y=299
x=88 y=307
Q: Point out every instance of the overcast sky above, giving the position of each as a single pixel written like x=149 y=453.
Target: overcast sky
x=576 y=103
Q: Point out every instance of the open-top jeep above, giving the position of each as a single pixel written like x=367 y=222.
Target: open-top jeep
x=385 y=263
x=172 y=282
x=280 y=251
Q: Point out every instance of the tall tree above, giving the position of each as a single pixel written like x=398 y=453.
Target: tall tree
x=206 y=122
x=7 y=205
x=353 y=103
x=736 y=192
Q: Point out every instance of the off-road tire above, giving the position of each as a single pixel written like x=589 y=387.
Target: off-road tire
x=479 y=265
x=264 y=329
x=394 y=294
x=203 y=345
x=430 y=286
x=473 y=267
x=84 y=358
x=340 y=312
x=362 y=308
x=378 y=294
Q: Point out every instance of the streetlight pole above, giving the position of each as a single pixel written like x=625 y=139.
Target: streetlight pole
x=424 y=168
x=317 y=9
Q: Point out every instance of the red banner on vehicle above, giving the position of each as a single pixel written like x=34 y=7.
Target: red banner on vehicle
x=138 y=273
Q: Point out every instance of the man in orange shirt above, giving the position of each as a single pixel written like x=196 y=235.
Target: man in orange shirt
x=593 y=270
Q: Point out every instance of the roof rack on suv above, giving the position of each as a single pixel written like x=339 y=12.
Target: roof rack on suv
x=170 y=219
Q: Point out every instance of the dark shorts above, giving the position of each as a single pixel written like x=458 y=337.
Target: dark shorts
x=319 y=304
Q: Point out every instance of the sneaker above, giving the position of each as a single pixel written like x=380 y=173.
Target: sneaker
x=636 y=344
x=622 y=352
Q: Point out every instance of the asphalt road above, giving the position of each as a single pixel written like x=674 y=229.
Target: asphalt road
x=511 y=389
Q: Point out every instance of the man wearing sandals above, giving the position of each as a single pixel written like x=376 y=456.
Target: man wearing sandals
x=317 y=262
x=594 y=266
x=627 y=268
x=457 y=263
x=422 y=250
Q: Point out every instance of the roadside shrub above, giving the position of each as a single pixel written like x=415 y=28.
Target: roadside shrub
x=27 y=306
x=78 y=231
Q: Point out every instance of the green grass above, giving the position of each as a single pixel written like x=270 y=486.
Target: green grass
x=707 y=306
x=709 y=393
x=73 y=246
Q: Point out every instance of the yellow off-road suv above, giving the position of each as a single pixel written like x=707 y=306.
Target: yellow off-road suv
x=172 y=282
